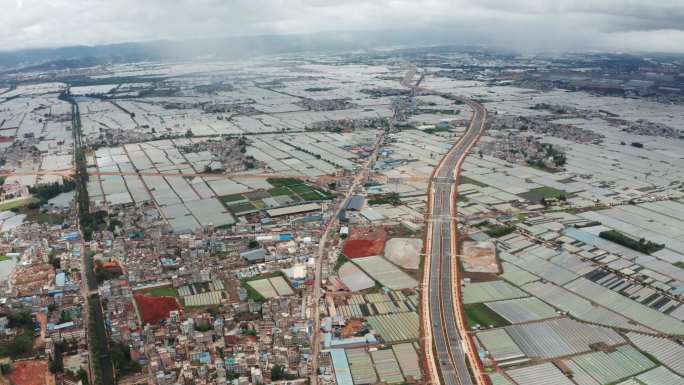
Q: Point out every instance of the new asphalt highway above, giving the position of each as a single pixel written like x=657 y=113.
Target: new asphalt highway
x=453 y=354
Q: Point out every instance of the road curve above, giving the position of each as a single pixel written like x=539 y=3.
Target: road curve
x=452 y=352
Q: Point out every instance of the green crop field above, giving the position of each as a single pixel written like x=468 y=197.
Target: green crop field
x=536 y=194
x=312 y=196
x=242 y=208
x=301 y=188
x=479 y=313
x=163 y=292
x=278 y=191
x=286 y=182
x=232 y=198
x=18 y=203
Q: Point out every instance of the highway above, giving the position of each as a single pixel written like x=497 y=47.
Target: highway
x=452 y=354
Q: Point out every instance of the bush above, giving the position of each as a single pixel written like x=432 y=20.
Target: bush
x=500 y=231
x=252 y=293
x=341 y=259
x=391 y=198
x=202 y=328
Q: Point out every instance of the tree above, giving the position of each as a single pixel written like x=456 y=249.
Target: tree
x=19 y=346
x=55 y=261
x=121 y=359
x=56 y=364
x=21 y=319
x=73 y=344
x=47 y=191
x=83 y=376
x=278 y=373
x=64 y=316
x=113 y=224
x=5 y=368
x=559 y=160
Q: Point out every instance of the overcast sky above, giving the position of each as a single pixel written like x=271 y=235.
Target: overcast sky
x=527 y=25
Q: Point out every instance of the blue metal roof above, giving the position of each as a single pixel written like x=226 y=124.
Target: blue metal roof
x=355 y=203
x=204 y=358
x=64 y=325
x=254 y=255
x=60 y=279
x=72 y=236
x=341 y=365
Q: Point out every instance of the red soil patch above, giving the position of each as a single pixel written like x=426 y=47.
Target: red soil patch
x=29 y=373
x=352 y=327
x=111 y=265
x=365 y=242
x=154 y=309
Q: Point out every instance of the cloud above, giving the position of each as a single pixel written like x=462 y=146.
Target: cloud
x=525 y=25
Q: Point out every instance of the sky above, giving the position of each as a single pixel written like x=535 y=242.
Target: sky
x=522 y=25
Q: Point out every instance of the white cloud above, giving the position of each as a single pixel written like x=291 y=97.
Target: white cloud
x=523 y=24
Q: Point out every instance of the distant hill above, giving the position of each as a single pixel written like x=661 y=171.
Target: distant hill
x=218 y=48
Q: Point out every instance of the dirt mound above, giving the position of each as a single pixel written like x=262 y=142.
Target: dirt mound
x=31 y=372
x=404 y=252
x=154 y=309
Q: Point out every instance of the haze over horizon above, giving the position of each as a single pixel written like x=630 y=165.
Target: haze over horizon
x=527 y=26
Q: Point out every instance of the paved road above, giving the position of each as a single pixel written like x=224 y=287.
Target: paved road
x=94 y=313
x=70 y=173
x=321 y=256
x=452 y=353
